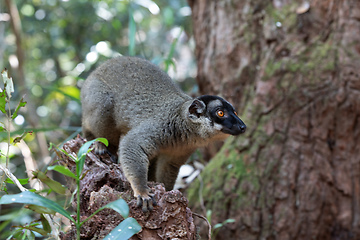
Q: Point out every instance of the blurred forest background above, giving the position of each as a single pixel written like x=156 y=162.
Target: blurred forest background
x=290 y=67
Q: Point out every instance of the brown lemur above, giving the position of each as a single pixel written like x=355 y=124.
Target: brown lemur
x=150 y=124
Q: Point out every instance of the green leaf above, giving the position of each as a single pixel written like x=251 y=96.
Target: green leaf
x=70 y=91
x=22 y=181
x=40 y=209
x=218 y=225
x=4 y=224
x=67 y=91
x=3 y=101
x=85 y=150
x=18 y=139
x=2 y=127
x=18 y=213
x=168 y=16
x=223 y=223
x=230 y=220
x=120 y=206
x=63 y=170
x=28 y=234
x=168 y=61
x=35 y=199
x=52 y=184
x=208 y=215
x=68 y=155
x=8 y=83
x=22 y=103
x=125 y=230
x=52 y=146
x=35 y=229
x=45 y=223
x=85 y=147
x=132 y=32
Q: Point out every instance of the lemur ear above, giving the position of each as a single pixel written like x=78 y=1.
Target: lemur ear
x=197 y=108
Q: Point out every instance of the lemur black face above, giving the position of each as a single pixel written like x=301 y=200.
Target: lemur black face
x=223 y=113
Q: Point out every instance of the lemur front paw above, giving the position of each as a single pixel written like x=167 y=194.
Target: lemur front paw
x=146 y=202
x=100 y=148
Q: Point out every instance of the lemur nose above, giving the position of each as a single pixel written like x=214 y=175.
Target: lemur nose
x=243 y=128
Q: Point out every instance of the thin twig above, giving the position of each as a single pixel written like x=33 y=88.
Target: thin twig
x=201 y=216
x=201 y=199
x=13 y=178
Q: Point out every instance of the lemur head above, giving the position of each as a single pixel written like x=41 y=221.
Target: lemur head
x=219 y=113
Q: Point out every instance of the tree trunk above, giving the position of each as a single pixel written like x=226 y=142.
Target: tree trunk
x=291 y=68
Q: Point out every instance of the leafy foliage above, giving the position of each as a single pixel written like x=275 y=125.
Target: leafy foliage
x=35 y=199
x=42 y=205
x=124 y=230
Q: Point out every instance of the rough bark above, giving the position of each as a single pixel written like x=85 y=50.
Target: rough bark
x=105 y=182
x=291 y=69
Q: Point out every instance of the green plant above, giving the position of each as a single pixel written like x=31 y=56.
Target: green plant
x=44 y=206
x=5 y=108
x=128 y=227
x=5 y=96
x=215 y=228
x=168 y=61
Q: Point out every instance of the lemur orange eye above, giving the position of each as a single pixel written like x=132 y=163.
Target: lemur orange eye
x=220 y=113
